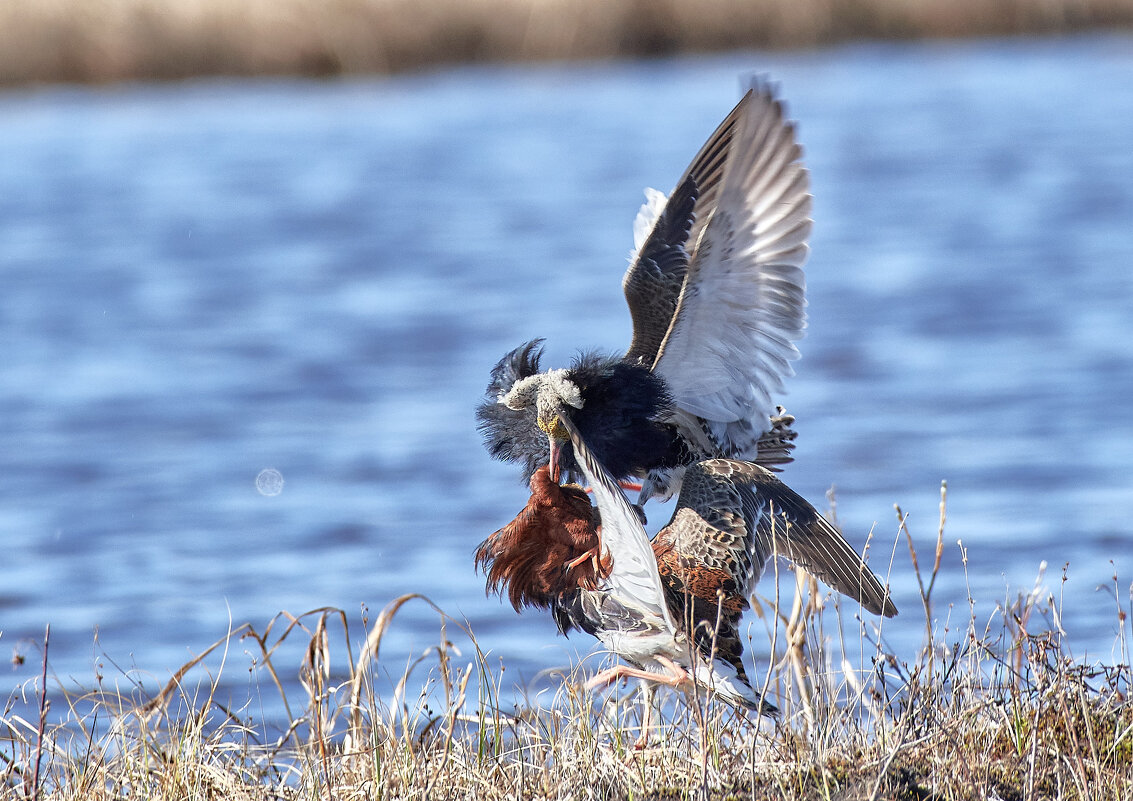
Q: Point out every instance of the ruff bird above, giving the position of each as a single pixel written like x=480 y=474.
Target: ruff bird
x=672 y=607
x=716 y=292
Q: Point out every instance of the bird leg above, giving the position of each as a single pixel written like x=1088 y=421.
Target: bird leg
x=675 y=676
x=592 y=553
x=646 y=716
x=675 y=671
x=632 y=486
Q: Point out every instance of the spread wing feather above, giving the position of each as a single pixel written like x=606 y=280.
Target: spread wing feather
x=662 y=233
x=733 y=516
x=730 y=338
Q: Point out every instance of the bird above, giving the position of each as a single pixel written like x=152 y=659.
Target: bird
x=717 y=296
x=670 y=608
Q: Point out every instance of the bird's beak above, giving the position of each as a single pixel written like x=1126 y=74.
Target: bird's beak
x=557 y=438
x=555 y=458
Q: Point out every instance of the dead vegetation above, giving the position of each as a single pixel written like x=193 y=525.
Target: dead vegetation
x=113 y=40
x=980 y=711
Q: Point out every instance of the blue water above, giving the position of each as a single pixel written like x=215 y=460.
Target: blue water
x=202 y=281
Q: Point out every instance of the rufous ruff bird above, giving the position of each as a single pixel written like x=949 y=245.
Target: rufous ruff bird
x=716 y=291
x=670 y=608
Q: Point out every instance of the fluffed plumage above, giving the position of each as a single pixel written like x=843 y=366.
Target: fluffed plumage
x=528 y=557
x=716 y=292
x=624 y=410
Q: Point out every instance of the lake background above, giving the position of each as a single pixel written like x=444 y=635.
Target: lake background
x=205 y=280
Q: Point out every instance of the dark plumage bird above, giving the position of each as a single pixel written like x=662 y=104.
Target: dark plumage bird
x=716 y=291
x=671 y=608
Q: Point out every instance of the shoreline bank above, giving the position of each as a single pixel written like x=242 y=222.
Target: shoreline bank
x=145 y=40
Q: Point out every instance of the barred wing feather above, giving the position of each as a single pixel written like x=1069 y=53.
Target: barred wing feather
x=733 y=517
x=664 y=233
x=742 y=302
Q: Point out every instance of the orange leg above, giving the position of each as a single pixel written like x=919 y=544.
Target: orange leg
x=591 y=554
x=578 y=560
x=676 y=675
x=632 y=486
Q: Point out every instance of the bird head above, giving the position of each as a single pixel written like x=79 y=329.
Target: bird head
x=552 y=395
x=624 y=419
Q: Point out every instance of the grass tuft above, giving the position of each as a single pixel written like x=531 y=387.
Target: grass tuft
x=997 y=709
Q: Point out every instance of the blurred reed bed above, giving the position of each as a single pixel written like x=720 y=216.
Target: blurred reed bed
x=994 y=708
x=111 y=40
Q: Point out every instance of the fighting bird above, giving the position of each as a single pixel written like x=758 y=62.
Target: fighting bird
x=716 y=292
x=670 y=608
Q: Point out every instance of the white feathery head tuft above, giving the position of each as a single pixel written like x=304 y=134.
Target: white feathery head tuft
x=547 y=391
x=568 y=391
x=522 y=393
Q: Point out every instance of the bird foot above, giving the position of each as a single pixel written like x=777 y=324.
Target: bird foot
x=591 y=554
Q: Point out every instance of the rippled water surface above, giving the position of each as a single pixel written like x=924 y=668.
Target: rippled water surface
x=205 y=281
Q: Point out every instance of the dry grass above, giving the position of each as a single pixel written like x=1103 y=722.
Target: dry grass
x=987 y=711
x=109 y=40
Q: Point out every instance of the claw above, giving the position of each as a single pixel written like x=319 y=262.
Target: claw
x=578 y=560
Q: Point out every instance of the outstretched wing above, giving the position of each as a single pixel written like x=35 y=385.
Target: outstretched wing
x=742 y=301
x=733 y=516
x=662 y=242
x=633 y=579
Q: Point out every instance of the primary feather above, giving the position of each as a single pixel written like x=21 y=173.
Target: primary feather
x=716 y=293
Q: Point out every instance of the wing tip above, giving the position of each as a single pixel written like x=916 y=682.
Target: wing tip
x=880 y=602
x=890 y=608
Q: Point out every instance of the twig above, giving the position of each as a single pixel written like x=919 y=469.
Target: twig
x=774 y=622
x=939 y=539
x=42 y=717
